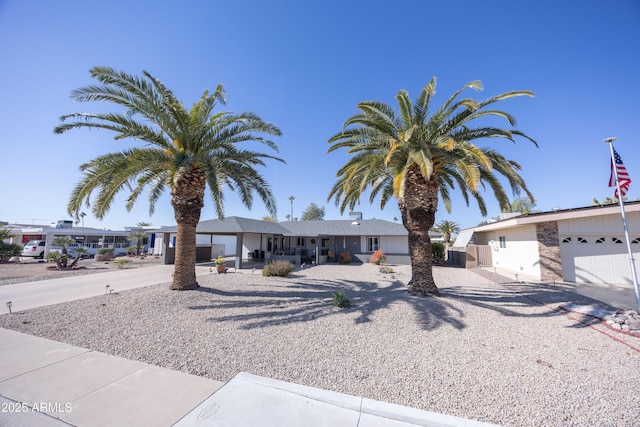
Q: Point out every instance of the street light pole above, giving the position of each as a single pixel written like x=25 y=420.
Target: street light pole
x=632 y=263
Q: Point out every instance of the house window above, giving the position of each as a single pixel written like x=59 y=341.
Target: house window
x=582 y=240
x=503 y=241
x=601 y=240
x=566 y=240
x=373 y=244
x=636 y=240
x=616 y=240
x=300 y=241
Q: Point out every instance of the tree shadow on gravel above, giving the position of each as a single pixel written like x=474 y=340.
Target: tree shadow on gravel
x=514 y=299
x=294 y=301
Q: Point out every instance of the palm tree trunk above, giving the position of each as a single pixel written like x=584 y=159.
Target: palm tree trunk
x=187 y=199
x=418 y=208
x=184 y=272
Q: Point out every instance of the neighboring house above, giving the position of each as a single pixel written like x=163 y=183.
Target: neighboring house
x=582 y=245
x=303 y=241
x=91 y=238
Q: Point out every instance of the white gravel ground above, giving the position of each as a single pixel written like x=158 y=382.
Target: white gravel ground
x=499 y=353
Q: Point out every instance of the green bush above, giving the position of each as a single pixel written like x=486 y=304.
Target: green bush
x=106 y=251
x=281 y=268
x=54 y=256
x=438 y=251
x=386 y=270
x=8 y=250
x=341 y=300
x=120 y=262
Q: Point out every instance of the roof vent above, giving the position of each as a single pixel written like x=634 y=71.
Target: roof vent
x=355 y=223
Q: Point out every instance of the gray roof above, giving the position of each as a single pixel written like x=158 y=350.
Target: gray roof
x=361 y=227
x=340 y=227
x=232 y=225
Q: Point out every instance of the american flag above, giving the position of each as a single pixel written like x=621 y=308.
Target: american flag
x=623 y=176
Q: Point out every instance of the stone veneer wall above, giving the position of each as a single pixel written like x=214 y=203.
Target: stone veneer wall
x=549 y=250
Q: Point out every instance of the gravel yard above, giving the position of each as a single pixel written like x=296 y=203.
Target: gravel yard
x=499 y=353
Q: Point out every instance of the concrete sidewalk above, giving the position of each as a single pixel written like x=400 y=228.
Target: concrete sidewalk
x=45 y=382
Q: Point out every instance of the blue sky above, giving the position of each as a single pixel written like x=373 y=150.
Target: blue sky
x=305 y=65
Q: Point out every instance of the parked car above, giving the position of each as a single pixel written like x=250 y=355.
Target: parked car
x=34 y=248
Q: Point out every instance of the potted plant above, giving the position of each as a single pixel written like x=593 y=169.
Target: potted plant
x=220 y=265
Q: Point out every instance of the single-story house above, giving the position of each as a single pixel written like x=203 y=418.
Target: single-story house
x=583 y=245
x=302 y=241
x=91 y=238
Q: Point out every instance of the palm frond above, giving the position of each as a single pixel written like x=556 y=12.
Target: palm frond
x=384 y=147
x=196 y=142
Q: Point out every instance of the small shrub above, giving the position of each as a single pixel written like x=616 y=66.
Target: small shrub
x=53 y=256
x=121 y=262
x=106 y=251
x=8 y=250
x=386 y=270
x=132 y=250
x=281 y=268
x=378 y=257
x=345 y=258
x=438 y=252
x=341 y=300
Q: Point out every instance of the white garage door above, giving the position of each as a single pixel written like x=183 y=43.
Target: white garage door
x=603 y=259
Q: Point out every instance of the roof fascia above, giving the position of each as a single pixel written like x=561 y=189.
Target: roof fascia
x=557 y=216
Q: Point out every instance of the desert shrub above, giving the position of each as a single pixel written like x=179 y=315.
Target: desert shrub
x=8 y=250
x=53 y=256
x=106 y=251
x=121 y=262
x=345 y=258
x=132 y=250
x=378 y=257
x=281 y=268
x=386 y=270
x=438 y=251
x=341 y=300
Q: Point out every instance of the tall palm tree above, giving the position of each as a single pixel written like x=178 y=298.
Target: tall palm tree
x=447 y=228
x=186 y=151
x=417 y=157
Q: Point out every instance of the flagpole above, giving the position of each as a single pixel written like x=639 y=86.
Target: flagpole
x=632 y=263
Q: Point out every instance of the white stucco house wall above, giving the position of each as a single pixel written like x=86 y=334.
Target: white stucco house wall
x=584 y=246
